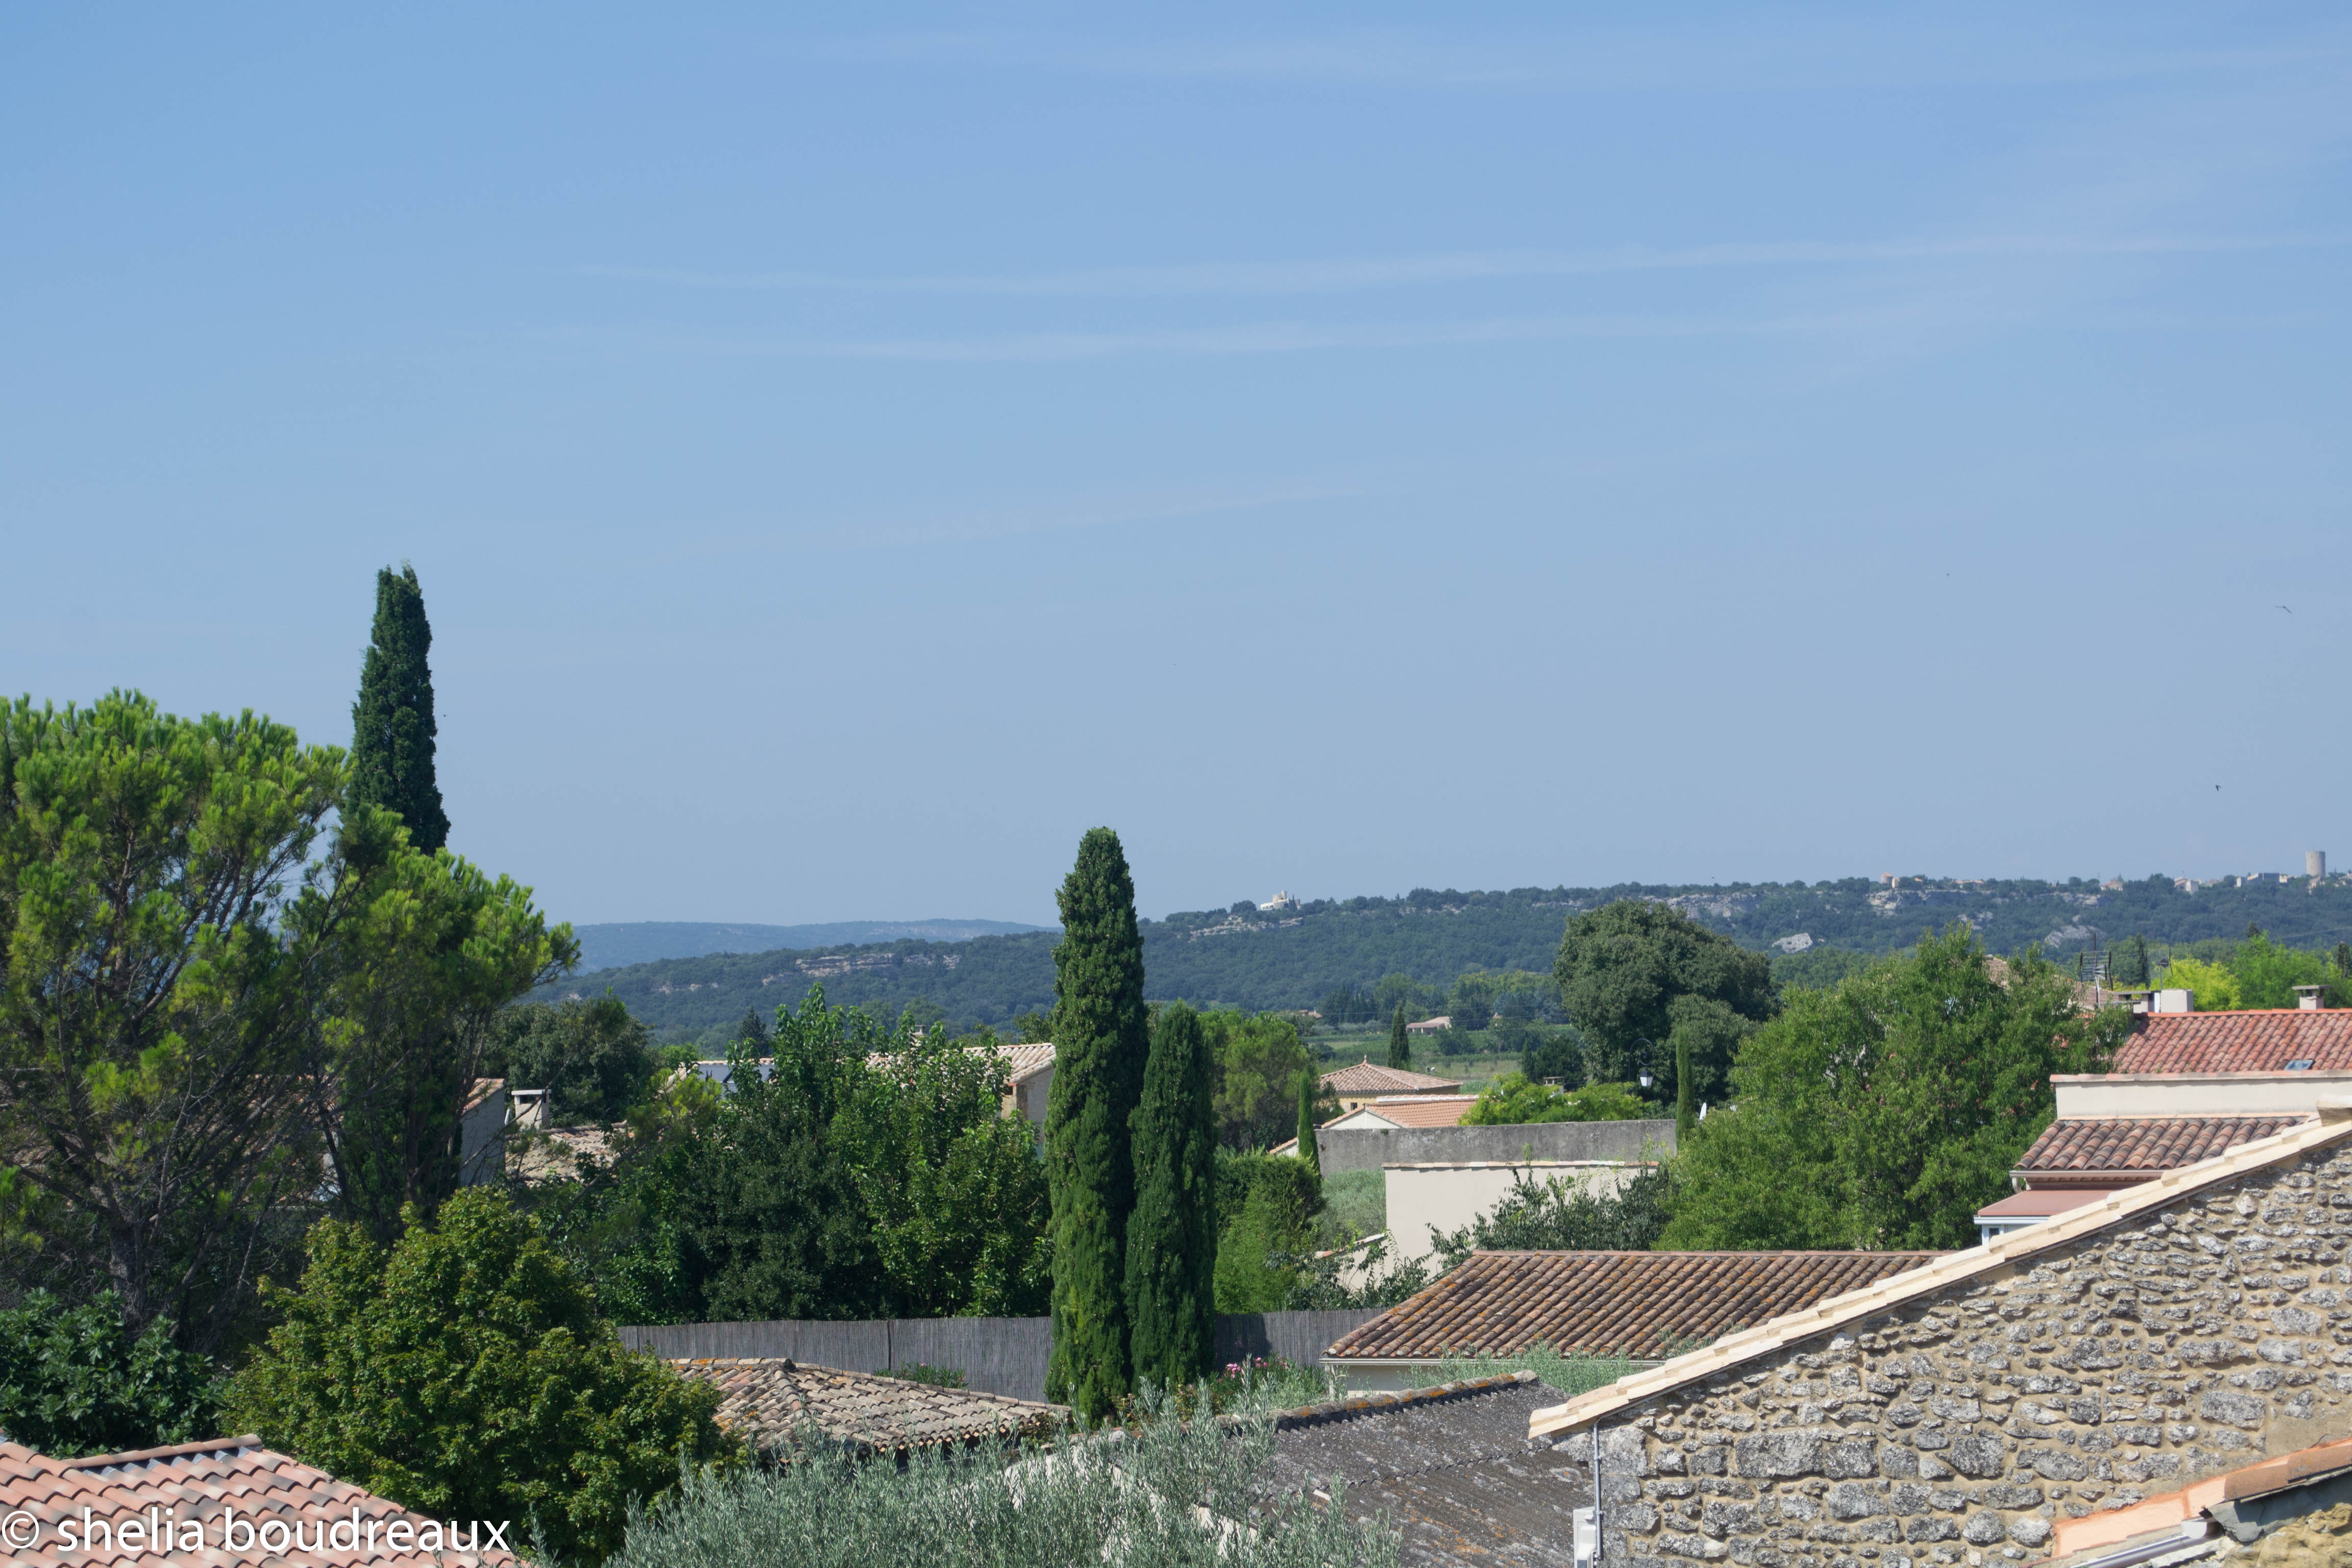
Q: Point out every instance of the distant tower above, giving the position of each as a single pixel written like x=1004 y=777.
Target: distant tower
x=2314 y=862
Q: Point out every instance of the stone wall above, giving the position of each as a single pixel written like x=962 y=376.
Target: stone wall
x=1954 y=1428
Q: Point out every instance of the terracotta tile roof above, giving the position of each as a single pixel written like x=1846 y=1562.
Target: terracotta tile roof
x=1950 y=1269
x=766 y=1400
x=2259 y=1041
x=1364 y=1078
x=1420 y=1110
x=1638 y=1304
x=228 y=1482
x=483 y=1089
x=2108 y=1145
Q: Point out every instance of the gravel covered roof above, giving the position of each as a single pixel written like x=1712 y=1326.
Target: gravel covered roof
x=1452 y=1468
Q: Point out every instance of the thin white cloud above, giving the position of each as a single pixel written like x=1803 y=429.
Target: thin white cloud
x=1349 y=273
x=2024 y=48
x=1276 y=337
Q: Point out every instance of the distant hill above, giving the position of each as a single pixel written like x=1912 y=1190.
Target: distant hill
x=615 y=946
x=1296 y=958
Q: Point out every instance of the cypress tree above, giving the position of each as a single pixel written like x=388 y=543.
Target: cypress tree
x=1686 y=1096
x=1308 y=1150
x=391 y=724
x=1400 y=1043
x=1100 y=1043
x=752 y=1031
x=1172 y=1238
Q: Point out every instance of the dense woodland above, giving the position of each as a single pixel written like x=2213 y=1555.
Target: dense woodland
x=1262 y=961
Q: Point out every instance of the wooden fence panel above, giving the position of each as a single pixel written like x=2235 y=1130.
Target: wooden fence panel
x=1001 y=1355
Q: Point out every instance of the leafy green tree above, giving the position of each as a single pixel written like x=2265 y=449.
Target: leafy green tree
x=1884 y=1112
x=1564 y=1216
x=2342 y=958
x=1309 y=1150
x=778 y=1226
x=419 y=955
x=1101 y=1042
x=1266 y=1205
x=392 y=727
x=465 y=1373
x=1471 y=1004
x=1686 y=1096
x=1259 y=1058
x=1172 y=1238
x=1390 y=992
x=1399 y=1042
x=2130 y=963
x=2214 y=988
x=1624 y=966
x=2268 y=974
x=75 y=1381
x=952 y=1188
x=156 y=1031
x=752 y=1031
x=1556 y=1054
x=1512 y=1102
x=1035 y=1027
x=593 y=1060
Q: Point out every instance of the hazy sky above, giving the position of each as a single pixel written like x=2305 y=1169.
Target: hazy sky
x=1343 y=449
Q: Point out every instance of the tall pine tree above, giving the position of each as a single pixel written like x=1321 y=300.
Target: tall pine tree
x=1686 y=1093
x=1172 y=1238
x=1308 y=1148
x=1100 y=1044
x=391 y=724
x=1400 y=1043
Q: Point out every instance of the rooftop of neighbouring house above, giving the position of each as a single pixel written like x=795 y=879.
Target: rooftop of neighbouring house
x=2101 y=1148
x=2271 y=1040
x=1642 y=1305
x=766 y=1400
x=1365 y=1078
x=202 y=1482
x=1452 y=1467
x=1415 y=1109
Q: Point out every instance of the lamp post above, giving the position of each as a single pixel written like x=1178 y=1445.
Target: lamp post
x=1645 y=1077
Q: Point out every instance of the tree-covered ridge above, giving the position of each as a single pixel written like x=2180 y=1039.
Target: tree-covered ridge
x=1294 y=959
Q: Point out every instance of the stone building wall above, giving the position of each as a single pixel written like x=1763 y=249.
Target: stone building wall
x=1954 y=1427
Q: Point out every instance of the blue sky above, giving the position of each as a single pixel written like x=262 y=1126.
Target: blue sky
x=848 y=454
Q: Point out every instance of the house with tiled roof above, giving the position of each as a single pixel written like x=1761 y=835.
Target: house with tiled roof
x=2185 y=1087
x=1642 y=1306
x=1999 y=1400
x=1366 y=1081
x=1393 y=1110
x=226 y=1502
x=770 y=1401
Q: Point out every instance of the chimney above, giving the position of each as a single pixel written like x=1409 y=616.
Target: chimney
x=2306 y=997
x=2314 y=862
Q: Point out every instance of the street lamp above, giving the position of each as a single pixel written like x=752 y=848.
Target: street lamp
x=1647 y=1077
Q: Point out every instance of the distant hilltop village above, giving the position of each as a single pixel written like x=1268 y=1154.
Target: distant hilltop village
x=2314 y=871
